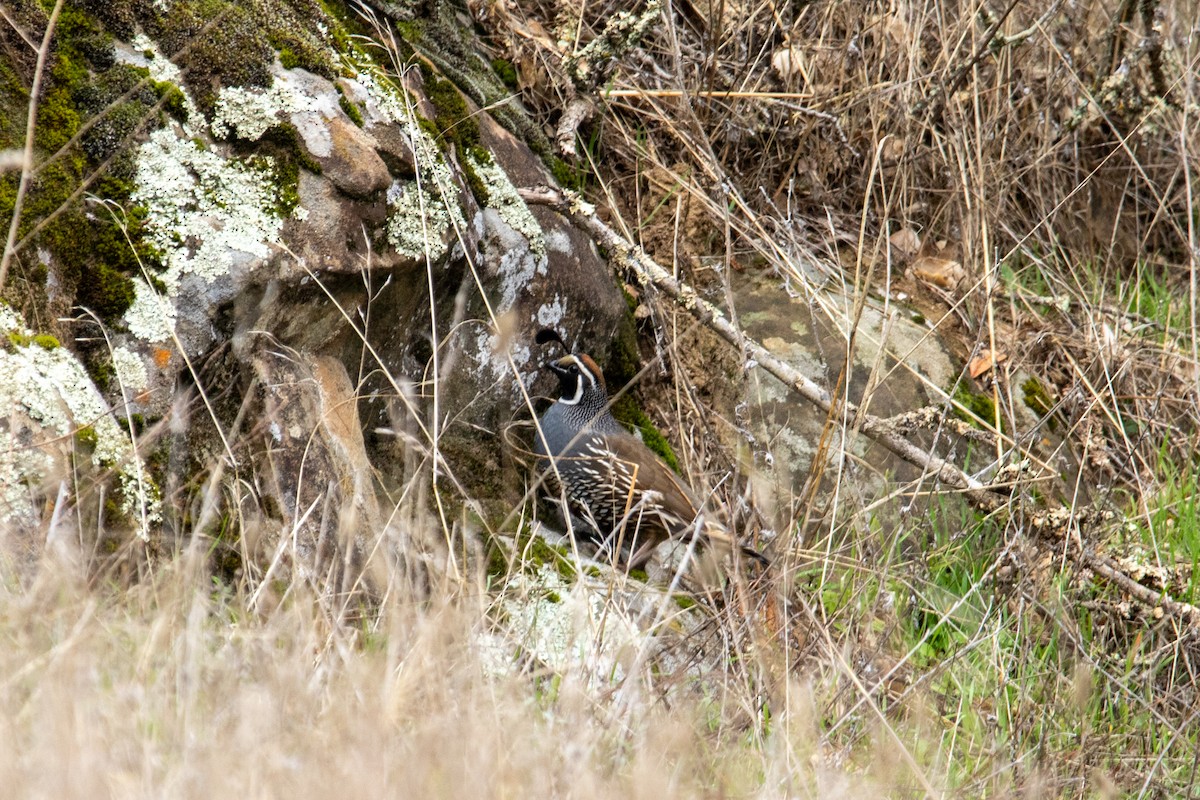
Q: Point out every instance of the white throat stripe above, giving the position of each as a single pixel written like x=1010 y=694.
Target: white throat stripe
x=578 y=395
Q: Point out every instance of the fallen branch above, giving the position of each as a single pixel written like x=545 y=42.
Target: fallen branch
x=1046 y=525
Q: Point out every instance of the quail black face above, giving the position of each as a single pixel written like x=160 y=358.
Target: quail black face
x=576 y=375
x=568 y=376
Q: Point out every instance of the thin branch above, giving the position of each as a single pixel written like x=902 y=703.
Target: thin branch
x=29 y=40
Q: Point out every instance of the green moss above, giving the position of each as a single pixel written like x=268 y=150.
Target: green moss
x=114 y=516
x=285 y=137
x=620 y=369
x=18 y=339
x=347 y=29
x=96 y=253
x=475 y=183
x=173 y=99
x=567 y=176
x=430 y=129
x=441 y=38
x=280 y=151
x=1037 y=398
x=506 y=72
x=105 y=291
x=235 y=52
x=684 y=601
x=351 y=110
x=628 y=413
x=85 y=83
x=452 y=117
x=13 y=100
x=46 y=341
x=288 y=176
x=288 y=57
x=624 y=358
x=497 y=562
x=533 y=553
x=979 y=407
x=117 y=16
x=86 y=436
x=102 y=372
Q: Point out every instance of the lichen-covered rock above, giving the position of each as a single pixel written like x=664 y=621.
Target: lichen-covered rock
x=894 y=357
x=50 y=408
x=347 y=237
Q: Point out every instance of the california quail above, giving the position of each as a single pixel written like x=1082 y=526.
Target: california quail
x=616 y=489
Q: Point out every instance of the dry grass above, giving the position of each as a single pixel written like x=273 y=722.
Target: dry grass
x=173 y=688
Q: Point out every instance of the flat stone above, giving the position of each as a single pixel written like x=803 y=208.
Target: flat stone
x=351 y=163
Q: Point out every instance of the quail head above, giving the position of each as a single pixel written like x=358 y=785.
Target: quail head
x=617 y=491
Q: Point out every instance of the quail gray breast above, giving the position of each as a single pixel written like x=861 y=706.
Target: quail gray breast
x=617 y=491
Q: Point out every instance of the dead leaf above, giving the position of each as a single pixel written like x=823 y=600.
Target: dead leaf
x=893 y=150
x=943 y=272
x=905 y=242
x=984 y=362
x=534 y=31
x=788 y=61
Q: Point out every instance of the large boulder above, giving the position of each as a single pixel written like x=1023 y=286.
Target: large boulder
x=344 y=279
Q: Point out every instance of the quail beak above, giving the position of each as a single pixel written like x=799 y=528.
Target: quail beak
x=557 y=368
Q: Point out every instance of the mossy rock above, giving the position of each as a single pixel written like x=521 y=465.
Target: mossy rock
x=452 y=116
x=980 y=408
x=97 y=250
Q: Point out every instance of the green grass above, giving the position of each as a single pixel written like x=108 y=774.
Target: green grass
x=1168 y=527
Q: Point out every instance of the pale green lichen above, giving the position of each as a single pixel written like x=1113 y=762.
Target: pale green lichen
x=55 y=390
x=202 y=209
x=416 y=222
x=571 y=629
x=420 y=213
x=504 y=198
x=196 y=196
x=144 y=53
x=130 y=369
x=151 y=317
x=250 y=112
x=550 y=314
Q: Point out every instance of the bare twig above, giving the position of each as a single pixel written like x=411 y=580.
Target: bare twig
x=25 y=37
x=939 y=100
